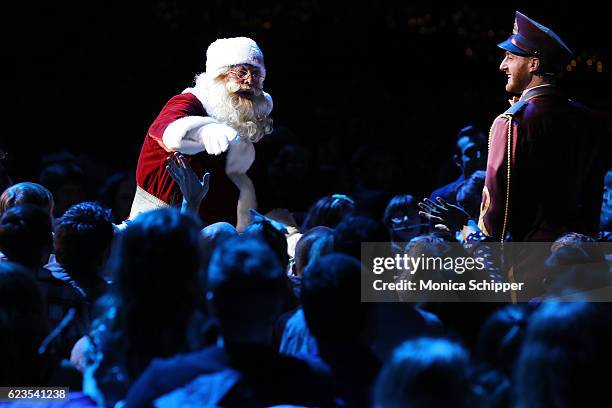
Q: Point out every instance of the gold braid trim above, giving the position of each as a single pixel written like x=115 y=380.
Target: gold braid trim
x=509 y=164
x=509 y=157
x=513 y=293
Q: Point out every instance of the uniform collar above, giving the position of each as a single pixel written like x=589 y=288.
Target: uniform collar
x=537 y=90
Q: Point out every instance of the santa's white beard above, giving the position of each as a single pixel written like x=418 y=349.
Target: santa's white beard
x=249 y=116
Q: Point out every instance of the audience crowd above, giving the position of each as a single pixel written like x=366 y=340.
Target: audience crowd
x=161 y=310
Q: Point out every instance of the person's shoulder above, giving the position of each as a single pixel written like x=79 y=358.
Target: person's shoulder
x=185 y=101
x=185 y=97
x=552 y=104
x=517 y=109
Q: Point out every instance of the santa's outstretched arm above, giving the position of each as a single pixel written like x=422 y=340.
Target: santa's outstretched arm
x=195 y=134
x=183 y=126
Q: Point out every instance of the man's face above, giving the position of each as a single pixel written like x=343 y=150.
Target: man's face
x=244 y=79
x=472 y=156
x=518 y=72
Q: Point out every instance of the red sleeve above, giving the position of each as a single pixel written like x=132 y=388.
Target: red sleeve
x=178 y=107
x=151 y=173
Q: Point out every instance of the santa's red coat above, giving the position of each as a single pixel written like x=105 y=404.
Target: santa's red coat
x=152 y=176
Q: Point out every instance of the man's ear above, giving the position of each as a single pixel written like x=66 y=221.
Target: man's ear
x=534 y=64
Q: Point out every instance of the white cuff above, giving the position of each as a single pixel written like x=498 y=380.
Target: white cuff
x=182 y=134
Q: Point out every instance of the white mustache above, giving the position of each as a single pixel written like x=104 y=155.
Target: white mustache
x=233 y=87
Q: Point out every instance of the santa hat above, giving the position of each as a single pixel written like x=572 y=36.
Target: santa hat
x=226 y=52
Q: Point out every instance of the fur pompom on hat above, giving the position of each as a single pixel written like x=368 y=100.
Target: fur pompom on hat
x=226 y=52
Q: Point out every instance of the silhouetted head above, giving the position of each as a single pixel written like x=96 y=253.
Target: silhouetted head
x=425 y=372
x=26 y=193
x=246 y=289
x=565 y=356
x=331 y=298
x=83 y=239
x=328 y=211
x=26 y=236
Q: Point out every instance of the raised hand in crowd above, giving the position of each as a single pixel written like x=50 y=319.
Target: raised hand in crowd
x=447 y=217
x=193 y=189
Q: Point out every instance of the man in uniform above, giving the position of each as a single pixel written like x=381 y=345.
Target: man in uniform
x=545 y=166
x=545 y=170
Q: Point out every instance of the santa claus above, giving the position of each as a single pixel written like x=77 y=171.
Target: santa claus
x=214 y=125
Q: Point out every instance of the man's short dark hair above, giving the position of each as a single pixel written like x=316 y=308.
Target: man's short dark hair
x=246 y=280
x=331 y=297
x=244 y=263
x=83 y=237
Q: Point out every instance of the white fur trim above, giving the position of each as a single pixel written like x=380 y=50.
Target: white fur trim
x=270 y=104
x=182 y=134
x=145 y=201
x=200 y=96
x=200 y=93
x=226 y=52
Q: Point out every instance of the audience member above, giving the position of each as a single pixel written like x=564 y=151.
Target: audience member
x=23 y=327
x=426 y=372
x=66 y=181
x=565 y=356
x=245 y=291
x=117 y=193
x=82 y=242
x=338 y=319
x=26 y=193
x=26 y=238
x=403 y=221
x=153 y=307
x=328 y=211
x=470 y=156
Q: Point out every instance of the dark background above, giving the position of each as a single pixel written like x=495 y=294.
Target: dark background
x=396 y=77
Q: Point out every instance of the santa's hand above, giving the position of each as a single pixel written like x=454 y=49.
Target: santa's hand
x=216 y=137
x=240 y=157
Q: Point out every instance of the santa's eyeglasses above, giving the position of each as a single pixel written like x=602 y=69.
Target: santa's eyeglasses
x=243 y=74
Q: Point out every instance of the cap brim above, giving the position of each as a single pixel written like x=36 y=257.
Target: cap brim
x=509 y=46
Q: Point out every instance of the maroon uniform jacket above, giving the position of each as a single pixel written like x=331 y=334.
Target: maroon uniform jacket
x=545 y=170
x=151 y=175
